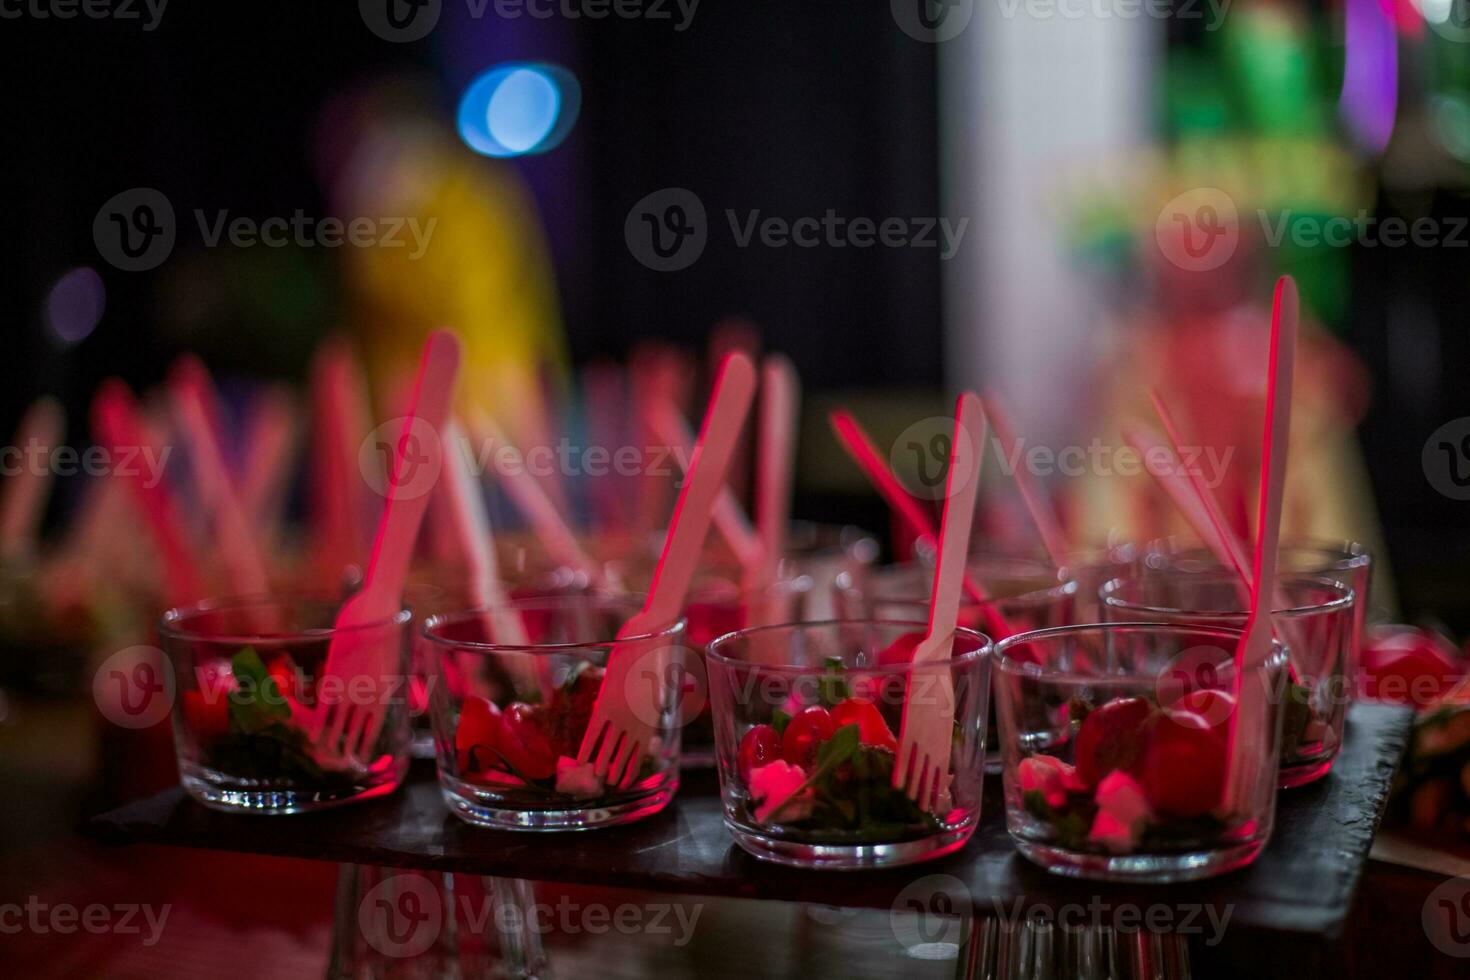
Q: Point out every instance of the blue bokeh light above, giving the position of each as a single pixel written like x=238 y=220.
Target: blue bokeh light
x=519 y=108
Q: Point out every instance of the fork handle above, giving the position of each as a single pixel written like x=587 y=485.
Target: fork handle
x=728 y=407
x=404 y=511
x=961 y=488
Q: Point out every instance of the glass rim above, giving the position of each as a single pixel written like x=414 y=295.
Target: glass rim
x=1030 y=668
x=1348 y=595
x=171 y=623
x=1342 y=553
x=633 y=604
x=1065 y=586
x=986 y=647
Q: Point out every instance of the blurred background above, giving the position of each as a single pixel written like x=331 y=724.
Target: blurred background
x=1066 y=204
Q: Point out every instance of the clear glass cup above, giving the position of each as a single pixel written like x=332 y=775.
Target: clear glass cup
x=807 y=717
x=1028 y=594
x=716 y=607
x=1343 y=561
x=1113 y=769
x=509 y=720
x=248 y=672
x=1092 y=568
x=1317 y=625
x=822 y=553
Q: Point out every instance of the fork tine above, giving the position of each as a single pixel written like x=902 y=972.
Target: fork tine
x=635 y=762
x=331 y=733
x=610 y=741
x=355 y=724
x=626 y=764
x=592 y=738
x=370 y=733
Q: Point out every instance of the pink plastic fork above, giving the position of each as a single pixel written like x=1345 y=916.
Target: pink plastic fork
x=623 y=717
x=1248 y=762
x=779 y=407
x=926 y=738
x=23 y=495
x=191 y=395
x=668 y=426
x=1038 y=505
x=119 y=426
x=354 y=659
x=860 y=447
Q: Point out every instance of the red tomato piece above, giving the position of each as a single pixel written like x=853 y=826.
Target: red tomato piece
x=1111 y=737
x=809 y=729
x=207 y=719
x=480 y=728
x=758 y=747
x=1183 y=765
x=872 y=729
x=527 y=750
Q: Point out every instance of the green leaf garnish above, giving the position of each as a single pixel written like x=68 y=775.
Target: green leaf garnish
x=779 y=720
x=257 y=702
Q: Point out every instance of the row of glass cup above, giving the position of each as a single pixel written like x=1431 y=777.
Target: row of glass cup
x=1111 y=735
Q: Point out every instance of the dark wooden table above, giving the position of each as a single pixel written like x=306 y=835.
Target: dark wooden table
x=1287 y=912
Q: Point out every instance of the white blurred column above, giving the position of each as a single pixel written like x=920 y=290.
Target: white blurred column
x=1030 y=92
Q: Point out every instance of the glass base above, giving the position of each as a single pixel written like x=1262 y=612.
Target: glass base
x=849 y=857
x=220 y=791
x=1304 y=773
x=1151 y=868
x=482 y=811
